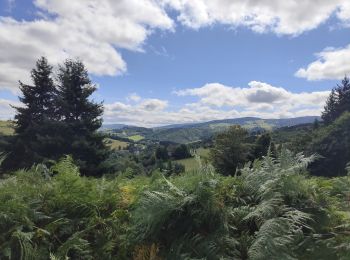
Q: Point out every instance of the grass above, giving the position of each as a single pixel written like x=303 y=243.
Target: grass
x=191 y=164
x=115 y=144
x=6 y=128
x=136 y=138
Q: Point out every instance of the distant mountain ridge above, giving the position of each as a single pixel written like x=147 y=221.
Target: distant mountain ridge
x=113 y=126
x=186 y=133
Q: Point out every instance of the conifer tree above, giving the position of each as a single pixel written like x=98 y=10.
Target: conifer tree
x=344 y=96
x=32 y=142
x=261 y=146
x=338 y=102
x=80 y=118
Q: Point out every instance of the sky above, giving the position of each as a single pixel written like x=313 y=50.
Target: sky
x=159 y=62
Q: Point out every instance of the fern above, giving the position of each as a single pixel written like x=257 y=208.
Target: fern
x=271 y=210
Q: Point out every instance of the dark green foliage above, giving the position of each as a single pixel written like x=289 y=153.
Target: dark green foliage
x=173 y=168
x=181 y=152
x=333 y=144
x=34 y=121
x=261 y=145
x=231 y=150
x=265 y=213
x=295 y=138
x=80 y=118
x=63 y=216
x=162 y=153
x=338 y=101
x=56 y=121
x=178 y=168
x=273 y=210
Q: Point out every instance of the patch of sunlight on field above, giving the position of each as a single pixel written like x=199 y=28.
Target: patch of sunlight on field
x=6 y=128
x=115 y=144
x=136 y=138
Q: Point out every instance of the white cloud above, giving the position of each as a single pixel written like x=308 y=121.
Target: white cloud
x=153 y=104
x=217 y=101
x=255 y=94
x=330 y=64
x=88 y=29
x=258 y=96
x=96 y=30
x=289 y=17
x=138 y=115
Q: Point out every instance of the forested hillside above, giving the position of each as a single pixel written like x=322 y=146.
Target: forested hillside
x=187 y=133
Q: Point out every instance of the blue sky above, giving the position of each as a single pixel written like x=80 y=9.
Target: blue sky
x=174 y=61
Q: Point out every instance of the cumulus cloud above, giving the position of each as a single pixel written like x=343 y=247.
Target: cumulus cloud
x=260 y=97
x=282 y=17
x=153 y=104
x=88 y=29
x=137 y=115
x=96 y=30
x=217 y=101
x=330 y=64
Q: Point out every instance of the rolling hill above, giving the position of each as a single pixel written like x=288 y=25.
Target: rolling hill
x=187 y=133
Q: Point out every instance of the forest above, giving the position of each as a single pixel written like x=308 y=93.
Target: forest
x=71 y=188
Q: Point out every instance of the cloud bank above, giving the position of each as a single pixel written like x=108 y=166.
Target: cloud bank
x=217 y=101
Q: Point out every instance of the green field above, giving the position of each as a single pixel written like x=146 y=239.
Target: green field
x=136 y=138
x=115 y=144
x=6 y=128
x=191 y=163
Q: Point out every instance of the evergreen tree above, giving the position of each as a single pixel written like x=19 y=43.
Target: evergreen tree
x=33 y=141
x=329 y=113
x=80 y=118
x=332 y=143
x=344 y=96
x=316 y=124
x=338 y=102
x=261 y=146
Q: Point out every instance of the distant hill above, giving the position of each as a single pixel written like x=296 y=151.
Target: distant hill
x=249 y=121
x=186 y=133
x=112 y=126
x=194 y=132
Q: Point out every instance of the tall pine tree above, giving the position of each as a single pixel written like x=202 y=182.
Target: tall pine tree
x=80 y=118
x=32 y=142
x=338 y=102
